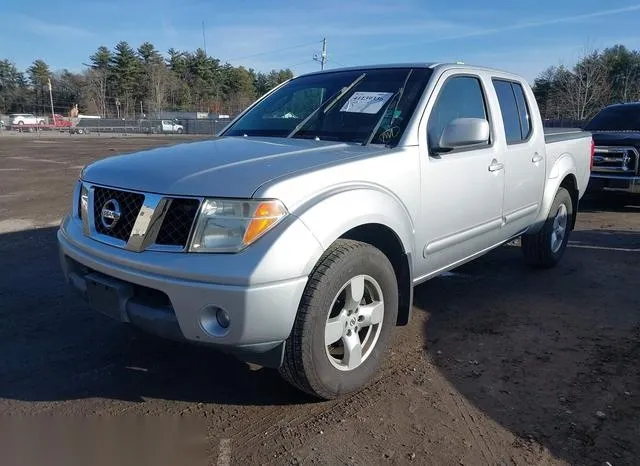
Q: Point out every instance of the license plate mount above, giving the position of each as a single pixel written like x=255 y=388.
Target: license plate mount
x=108 y=296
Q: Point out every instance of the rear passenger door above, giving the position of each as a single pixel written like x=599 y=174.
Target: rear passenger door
x=461 y=190
x=523 y=148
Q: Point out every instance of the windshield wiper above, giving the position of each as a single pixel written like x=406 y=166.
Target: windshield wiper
x=397 y=94
x=327 y=105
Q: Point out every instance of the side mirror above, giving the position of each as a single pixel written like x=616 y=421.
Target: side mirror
x=464 y=132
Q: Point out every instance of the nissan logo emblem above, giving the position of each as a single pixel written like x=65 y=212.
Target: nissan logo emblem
x=110 y=214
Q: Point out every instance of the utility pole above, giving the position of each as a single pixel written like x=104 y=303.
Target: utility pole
x=53 y=115
x=323 y=56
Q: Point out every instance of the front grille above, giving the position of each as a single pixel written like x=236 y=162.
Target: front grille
x=618 y=160
x=130 y=205
x=177 y=223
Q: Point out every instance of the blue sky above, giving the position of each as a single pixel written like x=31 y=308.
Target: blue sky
x=514 y=35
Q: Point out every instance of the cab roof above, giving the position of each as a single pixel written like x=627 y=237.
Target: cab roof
x=430 y=65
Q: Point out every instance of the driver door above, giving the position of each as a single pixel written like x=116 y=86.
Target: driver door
x=462 y=189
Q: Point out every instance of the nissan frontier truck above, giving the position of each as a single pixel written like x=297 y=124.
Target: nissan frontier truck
x=295 y=238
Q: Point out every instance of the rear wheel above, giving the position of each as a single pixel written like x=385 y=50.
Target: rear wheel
x=546 y=248
x=344 y=322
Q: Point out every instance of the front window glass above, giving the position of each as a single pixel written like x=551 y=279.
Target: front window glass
x=460 y=97
x=376 y=107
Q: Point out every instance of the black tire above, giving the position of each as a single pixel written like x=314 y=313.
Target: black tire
x=538 y=248
x=180 y=131
x=306 y=363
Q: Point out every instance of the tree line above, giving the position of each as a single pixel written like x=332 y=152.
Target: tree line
x=126 y=82
x=599 y=78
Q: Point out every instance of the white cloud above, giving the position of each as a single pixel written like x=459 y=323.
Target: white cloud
x=544 y=22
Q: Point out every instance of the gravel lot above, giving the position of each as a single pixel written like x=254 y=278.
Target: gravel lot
x=500 y=364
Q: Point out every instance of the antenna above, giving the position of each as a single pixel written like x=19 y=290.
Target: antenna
x=204 y=39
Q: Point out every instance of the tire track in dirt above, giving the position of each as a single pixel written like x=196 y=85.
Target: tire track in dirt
x=475 y=427
x=294 y=427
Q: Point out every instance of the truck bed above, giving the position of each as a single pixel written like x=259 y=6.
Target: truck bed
x=563 y=134
x=574 y=143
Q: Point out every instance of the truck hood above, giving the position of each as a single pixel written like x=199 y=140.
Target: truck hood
x=616 y=138
x=226 y=167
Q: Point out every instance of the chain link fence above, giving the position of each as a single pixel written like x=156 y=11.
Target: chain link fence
x=147 y=126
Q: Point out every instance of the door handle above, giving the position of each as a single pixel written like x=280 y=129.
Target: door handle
x=495 y=166
x=536 y=158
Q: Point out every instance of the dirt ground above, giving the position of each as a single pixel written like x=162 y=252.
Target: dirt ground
x=500 y=364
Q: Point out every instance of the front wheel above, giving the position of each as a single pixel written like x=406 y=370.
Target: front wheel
x=180 y=131
x=546 y=248
x=344 y=321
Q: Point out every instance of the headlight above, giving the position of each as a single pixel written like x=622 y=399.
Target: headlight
x=231 y=225
x=79 y=199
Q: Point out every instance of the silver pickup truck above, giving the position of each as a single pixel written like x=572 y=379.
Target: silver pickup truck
x=295 y=238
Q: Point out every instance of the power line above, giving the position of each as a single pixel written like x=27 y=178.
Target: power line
x=337 y=62
x=301 y=63
x=273 y=51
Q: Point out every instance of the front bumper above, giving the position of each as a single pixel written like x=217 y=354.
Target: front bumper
x=607 y=182
x=169 y=302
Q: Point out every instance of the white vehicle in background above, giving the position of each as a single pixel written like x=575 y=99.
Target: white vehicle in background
x=172 y=126
x=21 y=119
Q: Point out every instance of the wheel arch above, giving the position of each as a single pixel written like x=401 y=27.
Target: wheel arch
x=561 y=175
x=570 y=183
x=386 y=240
x=379 y=219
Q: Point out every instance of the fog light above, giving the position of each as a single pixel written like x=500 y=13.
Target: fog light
x=223 y=318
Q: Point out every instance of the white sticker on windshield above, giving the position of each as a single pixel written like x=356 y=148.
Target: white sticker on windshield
x=366 y=102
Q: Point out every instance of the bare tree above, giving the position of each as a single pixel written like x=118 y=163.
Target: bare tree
x=97 y=89
x=158 y=76
x=585 y=89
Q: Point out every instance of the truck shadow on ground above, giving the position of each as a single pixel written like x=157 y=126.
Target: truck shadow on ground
x=610 y=202
x=551 y=355
x=54 y=348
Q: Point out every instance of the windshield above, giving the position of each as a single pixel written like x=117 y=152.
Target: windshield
x=375 y=108
x=618 y=118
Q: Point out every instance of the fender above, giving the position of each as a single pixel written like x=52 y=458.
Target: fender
x=563 y=166
x=342 y=208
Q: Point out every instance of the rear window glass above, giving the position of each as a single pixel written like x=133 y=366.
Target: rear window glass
x=523 y=110
x=509 y=110
x=514 y=109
